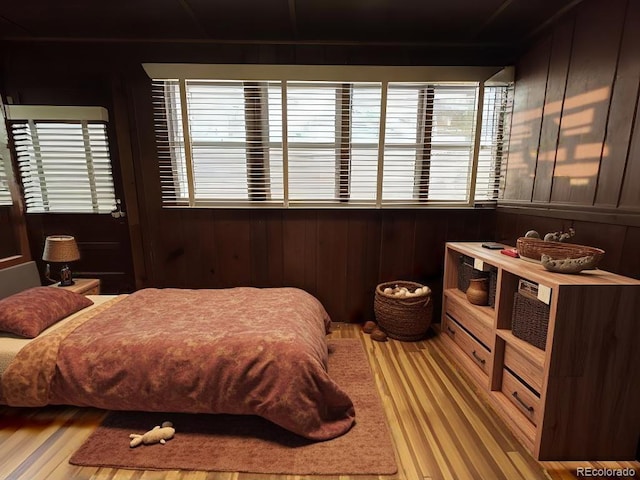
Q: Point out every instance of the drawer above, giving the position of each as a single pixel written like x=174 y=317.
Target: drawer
x=524 y=367
x=463 y=312
x=92 y=291
x=523 y=398
x=474 y=349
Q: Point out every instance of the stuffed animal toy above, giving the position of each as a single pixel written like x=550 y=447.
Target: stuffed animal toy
x=159 y=434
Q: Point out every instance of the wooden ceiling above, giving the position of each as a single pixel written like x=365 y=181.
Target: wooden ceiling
x=508 y=24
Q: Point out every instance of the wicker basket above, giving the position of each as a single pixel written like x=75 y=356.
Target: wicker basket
x=493 y=285
x=403 y=318
x=530 y=320
x=533 y=248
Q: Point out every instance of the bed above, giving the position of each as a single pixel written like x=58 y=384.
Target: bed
x=244 y=350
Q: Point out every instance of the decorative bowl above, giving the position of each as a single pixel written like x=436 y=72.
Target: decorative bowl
x=569 y=265
x=534 y=248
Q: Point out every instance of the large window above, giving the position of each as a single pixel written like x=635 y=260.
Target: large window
x=346 y=143
x=63 y=162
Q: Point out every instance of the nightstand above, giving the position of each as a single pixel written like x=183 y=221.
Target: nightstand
x=84 y=286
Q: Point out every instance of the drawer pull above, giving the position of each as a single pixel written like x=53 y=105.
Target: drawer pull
x=478 y=358
x=528 y=408
x=450 y=330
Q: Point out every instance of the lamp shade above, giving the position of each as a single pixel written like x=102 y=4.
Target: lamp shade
x=60 y=249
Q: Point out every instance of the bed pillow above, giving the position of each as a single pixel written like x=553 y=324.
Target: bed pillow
x=29 y=312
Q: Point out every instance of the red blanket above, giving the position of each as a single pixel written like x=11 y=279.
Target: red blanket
x=237 y=351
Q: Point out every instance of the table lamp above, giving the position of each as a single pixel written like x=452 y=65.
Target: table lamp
x=61 y=249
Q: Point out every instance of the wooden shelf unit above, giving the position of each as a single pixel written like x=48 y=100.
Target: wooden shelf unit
x=576 y=399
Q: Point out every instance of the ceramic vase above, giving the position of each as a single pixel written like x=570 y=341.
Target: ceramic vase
x=478 y=291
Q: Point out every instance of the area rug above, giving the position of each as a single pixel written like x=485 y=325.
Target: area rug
x=252 y=444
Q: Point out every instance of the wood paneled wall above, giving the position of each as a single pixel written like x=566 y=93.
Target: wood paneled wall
x=574 y=158
x=338 y=255
x=575 y=133
x=8 y=245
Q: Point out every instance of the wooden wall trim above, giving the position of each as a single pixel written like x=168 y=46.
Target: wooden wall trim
x=127 y=168
x=574 y=212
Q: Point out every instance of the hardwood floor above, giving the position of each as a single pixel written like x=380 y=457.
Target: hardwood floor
x=439 y=427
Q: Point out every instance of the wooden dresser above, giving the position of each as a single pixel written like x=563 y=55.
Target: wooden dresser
x=579 y=397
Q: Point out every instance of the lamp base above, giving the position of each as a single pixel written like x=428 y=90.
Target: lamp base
x=66 y=279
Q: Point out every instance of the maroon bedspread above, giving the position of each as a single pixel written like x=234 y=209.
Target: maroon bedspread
x=236 y=351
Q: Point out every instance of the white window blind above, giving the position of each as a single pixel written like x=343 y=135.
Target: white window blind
x=5 y=194
x=494 y=139
x=293 y=142
x=5 y=166
x=64 y=166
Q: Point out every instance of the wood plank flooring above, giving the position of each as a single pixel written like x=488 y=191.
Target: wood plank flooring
x=440 y=429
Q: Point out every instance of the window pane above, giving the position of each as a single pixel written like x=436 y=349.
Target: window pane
x=438 y=122
x=216 y=112
x=454 y=117
x=311 y=135
x=220 y=173
x=402 y=115
x=454 y=114
x=365 y=132
x=399 y=167
x=312 y=173
x=401 y=142
x=311 y=113
x=366 y=113
x=234 y=156
x=449 y=174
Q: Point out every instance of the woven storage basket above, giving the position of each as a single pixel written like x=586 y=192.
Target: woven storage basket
x=533 y=248
x=530 y=320
x=493 y=284
x=403 y=318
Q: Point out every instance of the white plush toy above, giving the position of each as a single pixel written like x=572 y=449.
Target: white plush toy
x=159 y=434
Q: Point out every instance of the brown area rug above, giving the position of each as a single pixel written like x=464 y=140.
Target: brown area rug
x=252 y=444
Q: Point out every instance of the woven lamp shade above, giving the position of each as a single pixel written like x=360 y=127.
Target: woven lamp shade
x=60 y=249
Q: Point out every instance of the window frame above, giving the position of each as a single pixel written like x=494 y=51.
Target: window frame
x=347 y=75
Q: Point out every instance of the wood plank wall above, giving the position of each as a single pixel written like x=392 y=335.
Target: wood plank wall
x=8 y=244
x=574 y=157
x=337 y=254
